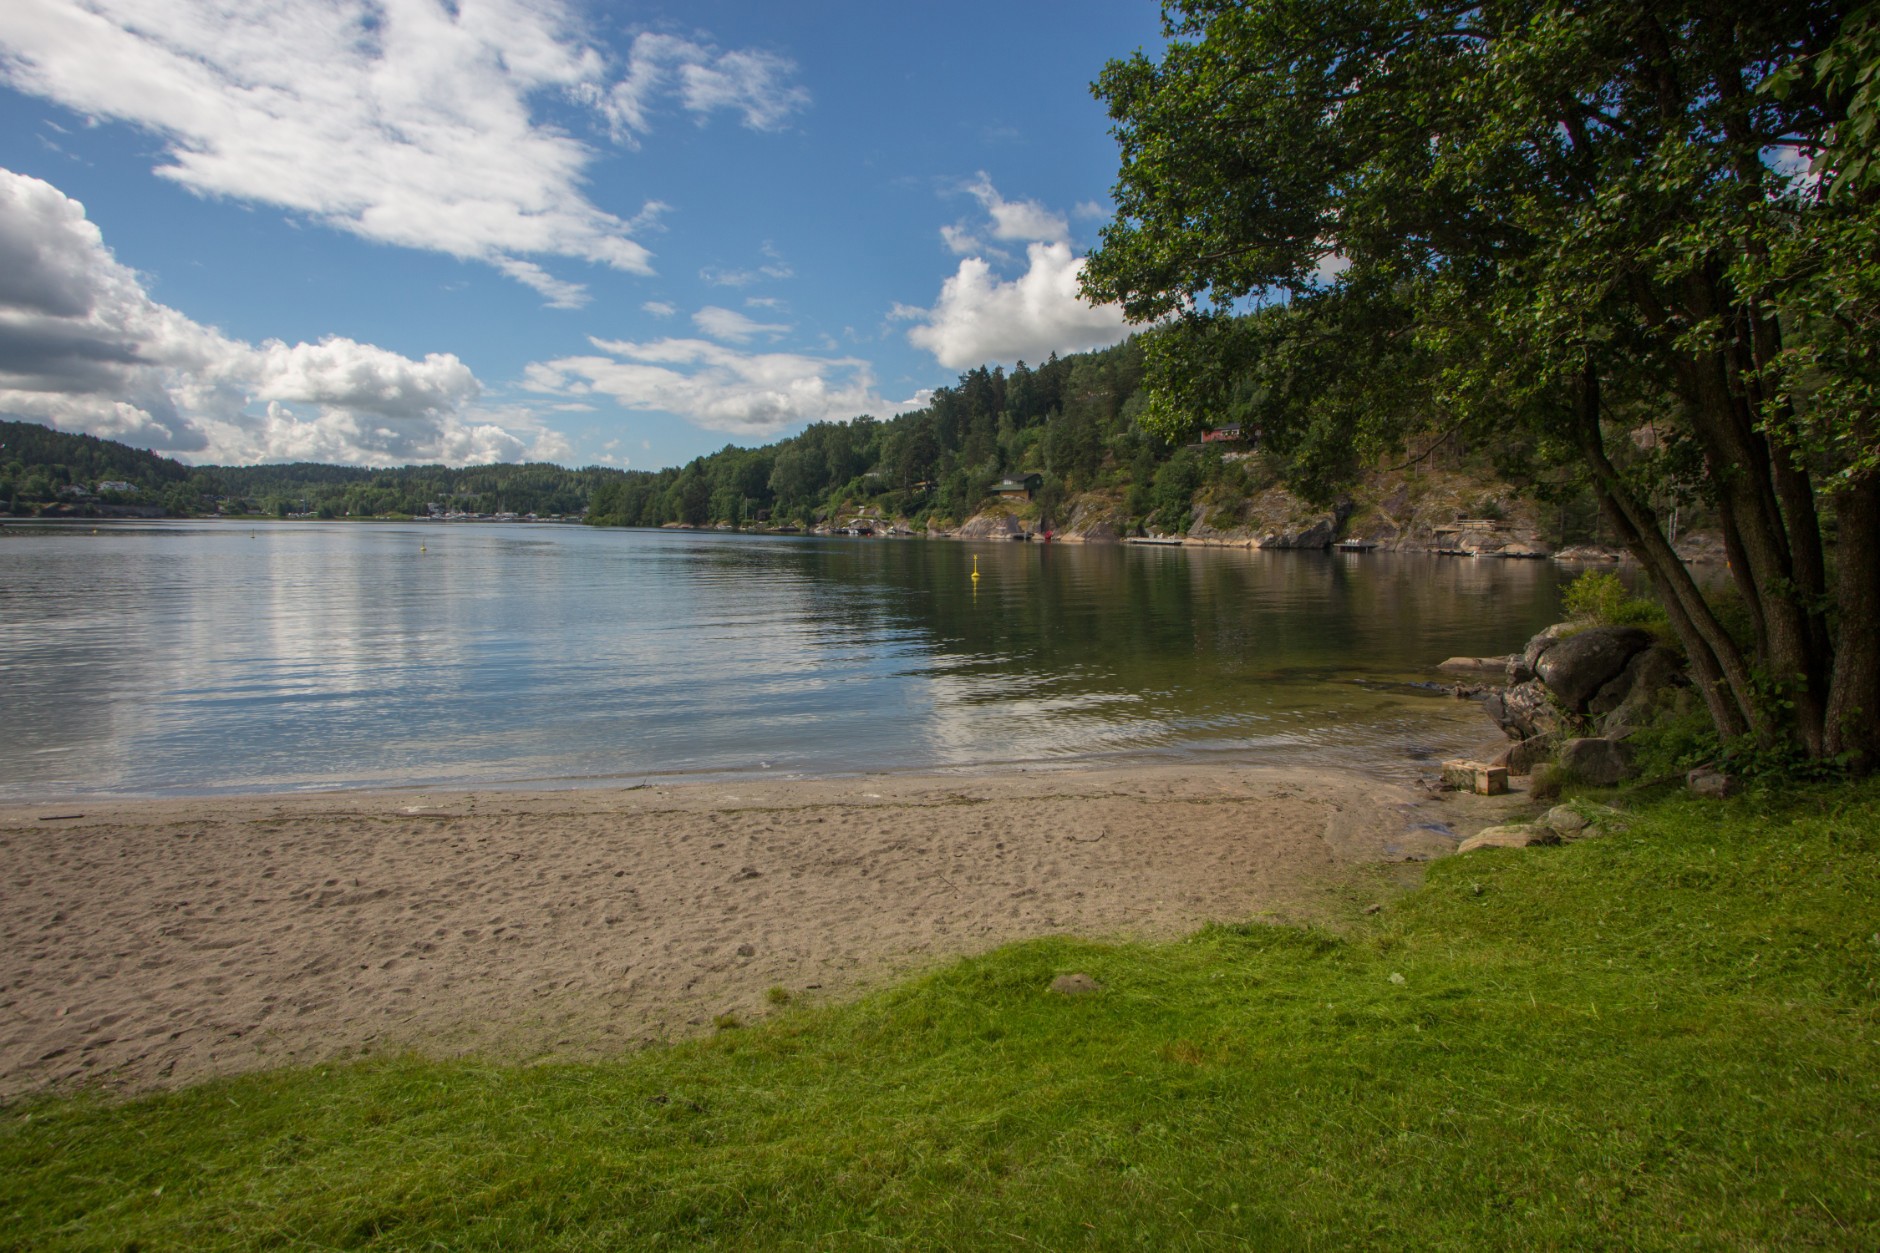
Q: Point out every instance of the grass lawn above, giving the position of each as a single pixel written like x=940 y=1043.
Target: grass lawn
x=1662 y=1038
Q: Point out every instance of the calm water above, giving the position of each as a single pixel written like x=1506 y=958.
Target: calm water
x=211 y=657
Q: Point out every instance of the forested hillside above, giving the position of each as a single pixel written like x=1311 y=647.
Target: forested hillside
x=48 y=471
x=1071 y=419
x=1075 y=422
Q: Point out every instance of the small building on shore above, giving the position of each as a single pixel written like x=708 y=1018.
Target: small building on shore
x=1018 y=488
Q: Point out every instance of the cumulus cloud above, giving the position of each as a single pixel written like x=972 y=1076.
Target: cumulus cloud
x=83 y=347
x=981 y=317
x=660 y=308
x=1018 y=220
x=734 y=327
x=409 y=123
x=961 y=241
x=746 y=394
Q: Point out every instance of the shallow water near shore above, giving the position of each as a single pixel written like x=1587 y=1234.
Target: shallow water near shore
x=205 y=657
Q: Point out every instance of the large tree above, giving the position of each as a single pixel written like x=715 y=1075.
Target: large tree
x=1569 y=219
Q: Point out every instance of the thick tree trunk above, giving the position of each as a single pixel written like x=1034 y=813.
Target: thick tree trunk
x=1723 y=676
x=1739 y=461
x=1854 y=692
x=1726 y=712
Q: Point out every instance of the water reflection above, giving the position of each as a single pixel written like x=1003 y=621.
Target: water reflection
x=208 y=657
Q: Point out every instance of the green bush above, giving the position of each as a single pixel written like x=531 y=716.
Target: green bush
x=1598 y=596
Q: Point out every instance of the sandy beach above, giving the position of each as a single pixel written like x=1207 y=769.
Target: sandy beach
x=155 y=943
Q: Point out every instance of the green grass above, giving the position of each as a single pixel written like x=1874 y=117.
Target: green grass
x=1664 y=1038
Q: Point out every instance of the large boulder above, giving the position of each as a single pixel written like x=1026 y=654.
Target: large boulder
x=1538 y=646
x=1597 y=760
x=1635 y=697
x=1575 y=667
x=1523 y=711
x=1520 y=757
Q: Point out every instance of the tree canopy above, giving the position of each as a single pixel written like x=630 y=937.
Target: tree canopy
x=1638 y=232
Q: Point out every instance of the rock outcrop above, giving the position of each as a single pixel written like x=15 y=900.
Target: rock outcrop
x=1273 y=518
x=992 y=524
x=1575 y=667
x=1425 y=510
x=1096 y=520
x=1571 y=680
x=1524 y=711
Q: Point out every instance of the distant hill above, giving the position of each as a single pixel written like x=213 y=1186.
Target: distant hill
x=44 y=472
x=82 y=459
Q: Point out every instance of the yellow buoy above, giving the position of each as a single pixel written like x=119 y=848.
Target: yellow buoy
x=975 y=567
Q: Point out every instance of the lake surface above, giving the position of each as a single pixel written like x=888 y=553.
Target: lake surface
x=205 y=657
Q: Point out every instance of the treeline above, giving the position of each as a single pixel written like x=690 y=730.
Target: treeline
x=1072 y=420
x=42 y=469
x=340 y=491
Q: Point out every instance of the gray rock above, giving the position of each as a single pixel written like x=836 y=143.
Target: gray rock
x=1319 y=534
x=1523 y=711
x=991 y=526
x=1538 y=646
x=1588 y=552
x=1597 y=760
x=1565 y=820
x=1509 y=835
x=1576 y=667
x=1476 y=665
x=1522 y=756
x=1710 y=781
x=1634 y=699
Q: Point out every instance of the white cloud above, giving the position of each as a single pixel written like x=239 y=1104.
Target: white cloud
x=734 y=327
x=660 y=308
x=409 y=123
x=747 y=394
x=981 y=317
x=558 y=293
x=83 y=347
x=1016 y=220
x=705 y=80
x=960 y=241
x=1090 y=209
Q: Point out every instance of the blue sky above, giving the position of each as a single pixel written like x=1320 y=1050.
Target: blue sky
x=511 y=229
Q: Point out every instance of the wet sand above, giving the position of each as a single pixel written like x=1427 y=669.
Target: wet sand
x=154 y=943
